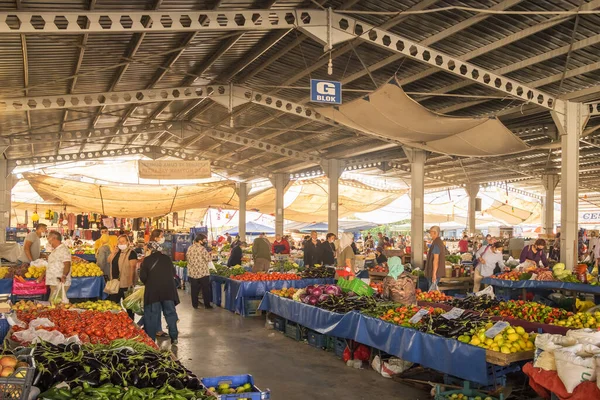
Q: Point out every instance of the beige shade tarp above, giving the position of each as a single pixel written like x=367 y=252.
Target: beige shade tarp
x=514 y=213
x=310 y=201
x=131 y=201
x=390 y=113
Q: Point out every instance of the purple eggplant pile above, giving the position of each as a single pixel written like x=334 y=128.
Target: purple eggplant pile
x=93 y=366
x=331 y=298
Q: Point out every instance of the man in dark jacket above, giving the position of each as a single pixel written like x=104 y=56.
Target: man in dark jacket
x=160 y=293
x=435 y=266
x=235 y=256
x=327 y=250
x=311 y=250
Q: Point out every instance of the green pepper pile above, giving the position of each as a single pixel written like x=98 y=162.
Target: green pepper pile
x=109 y=391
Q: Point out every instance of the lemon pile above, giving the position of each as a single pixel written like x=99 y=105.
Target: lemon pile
x=34 y=272
x=581 y=320
x=510 y=340
x=100 y=305
x=3 y=272
x=85 y=269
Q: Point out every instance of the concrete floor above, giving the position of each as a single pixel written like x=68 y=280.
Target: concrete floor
x=218 y=342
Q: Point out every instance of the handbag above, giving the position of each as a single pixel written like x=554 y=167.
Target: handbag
x=476 y=259
x=112 y=286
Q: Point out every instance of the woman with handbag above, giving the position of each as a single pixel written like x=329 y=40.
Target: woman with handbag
x=122 y=263
x=160 y=295
x=198 y=271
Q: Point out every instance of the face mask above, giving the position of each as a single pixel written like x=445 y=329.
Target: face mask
x=122 y=246
x=161 y=240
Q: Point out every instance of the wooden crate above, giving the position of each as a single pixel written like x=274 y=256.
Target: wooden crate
x=501 y=359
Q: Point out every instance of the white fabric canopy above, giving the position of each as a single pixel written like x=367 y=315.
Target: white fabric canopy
x=390 y=113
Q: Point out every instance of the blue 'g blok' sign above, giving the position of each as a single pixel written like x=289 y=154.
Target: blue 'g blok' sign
x=325 y=91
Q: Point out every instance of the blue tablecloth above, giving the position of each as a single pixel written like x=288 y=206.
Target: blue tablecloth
x=444 y=355
x=236 y=291
x=6 y=286
x=542 y=285
x=87 y=288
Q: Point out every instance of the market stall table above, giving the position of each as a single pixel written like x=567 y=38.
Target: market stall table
x=87 y=288
x=6 y=286
x=431 y=351
x=532 y=285
x=236 y=292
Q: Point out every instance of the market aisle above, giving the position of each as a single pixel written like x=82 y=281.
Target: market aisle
x=218 y=342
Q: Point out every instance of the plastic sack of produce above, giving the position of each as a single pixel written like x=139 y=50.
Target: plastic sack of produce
x=393 y=367
x=545 y=345
x=135 y=301
x=585 y=336
x=28 y=287
x=573 y=369
x=59 y=296
x=488 y=291
x=40 y=262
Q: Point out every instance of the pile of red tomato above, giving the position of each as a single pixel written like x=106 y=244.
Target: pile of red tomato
x=91 y=326
x=263 y=276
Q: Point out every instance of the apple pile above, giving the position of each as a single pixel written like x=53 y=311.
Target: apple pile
x=435 y=296
x=508 y=276
x=11 y=367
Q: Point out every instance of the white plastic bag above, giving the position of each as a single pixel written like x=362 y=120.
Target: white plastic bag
x=585 y=336
x=433 y=287
x=211 y=266
x=388 y=369
x=573 y=369
x=33 y=335
x=41 y=322
x=60 y=296
x=489 y=291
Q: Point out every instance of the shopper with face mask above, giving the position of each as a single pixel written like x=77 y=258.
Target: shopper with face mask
x=489 y=260
x=535 y=253
x=160 y=295
x=198 y=271
x=122 y=262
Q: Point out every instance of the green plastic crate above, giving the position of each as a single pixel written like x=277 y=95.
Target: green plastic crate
x=466 y=391
x=357 y=286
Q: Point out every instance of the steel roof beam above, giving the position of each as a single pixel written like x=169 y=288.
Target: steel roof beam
x=111 y=98
x=254 y=143
x=445 y=62
x=581 y=44
x=97 y=133
x=118 y=21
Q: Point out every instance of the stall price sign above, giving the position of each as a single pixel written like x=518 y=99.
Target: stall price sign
x=496 y=329
x=418 y=316
x=454 y=313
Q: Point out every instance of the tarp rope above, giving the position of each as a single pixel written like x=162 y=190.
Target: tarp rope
x=173 y=202
x=101 y=199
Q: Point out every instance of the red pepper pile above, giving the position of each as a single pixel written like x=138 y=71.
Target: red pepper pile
x=91 y=326
x=529 y=311
x=261 y=276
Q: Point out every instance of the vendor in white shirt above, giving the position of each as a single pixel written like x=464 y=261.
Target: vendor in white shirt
x=59 y=264
x=32 y=245
x=489 y=257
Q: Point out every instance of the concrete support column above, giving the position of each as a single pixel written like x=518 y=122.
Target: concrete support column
x=5 y=189
x=333 y=170
x=472 y=189
x=549 y=181
x=417 y=193
x=570 y=122
x=242 y=192
x=280 y=181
